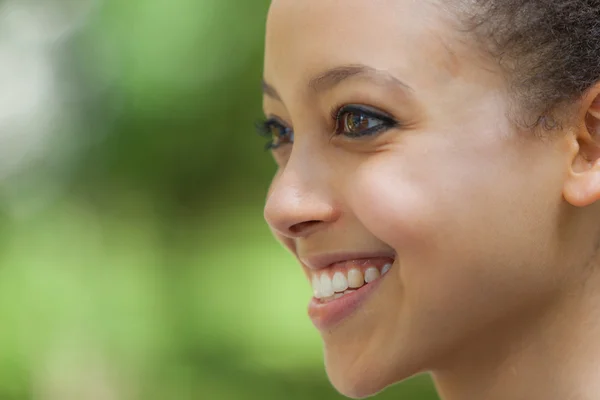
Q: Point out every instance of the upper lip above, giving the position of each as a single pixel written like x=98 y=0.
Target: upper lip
x=319 y=261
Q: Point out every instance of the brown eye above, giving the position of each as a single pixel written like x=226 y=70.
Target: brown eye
x=276 y=132
x=357 y=121
x=281 y=135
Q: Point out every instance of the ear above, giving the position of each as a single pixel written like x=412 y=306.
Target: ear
x=582 y=187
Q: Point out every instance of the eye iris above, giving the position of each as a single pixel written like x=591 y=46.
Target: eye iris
x=356 y=122
x=275 y=132
x=279 y=134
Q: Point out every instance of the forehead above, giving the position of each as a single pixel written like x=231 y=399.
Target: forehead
x=304 y=37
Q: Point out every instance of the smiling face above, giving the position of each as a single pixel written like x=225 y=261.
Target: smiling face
x=394 y=147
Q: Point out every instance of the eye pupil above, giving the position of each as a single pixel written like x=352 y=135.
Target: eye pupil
x=280 y=134
x=356 y=121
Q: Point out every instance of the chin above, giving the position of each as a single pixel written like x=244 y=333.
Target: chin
x=363 y=377
x=358 y=384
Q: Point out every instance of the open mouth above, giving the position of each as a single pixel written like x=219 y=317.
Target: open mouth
x=347 y=277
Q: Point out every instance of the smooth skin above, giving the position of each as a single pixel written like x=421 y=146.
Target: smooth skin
x=495 y=289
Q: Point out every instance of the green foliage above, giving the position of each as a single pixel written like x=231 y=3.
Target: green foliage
x=151 y=274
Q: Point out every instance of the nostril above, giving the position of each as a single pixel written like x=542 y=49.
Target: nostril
x=301 y=227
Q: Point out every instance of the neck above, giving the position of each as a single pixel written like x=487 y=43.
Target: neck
x=551 y=354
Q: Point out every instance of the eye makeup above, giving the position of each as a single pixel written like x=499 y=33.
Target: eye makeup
x=275 y=131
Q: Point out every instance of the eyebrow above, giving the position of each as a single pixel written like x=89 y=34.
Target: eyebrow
x=270 y=91
x=334 y=76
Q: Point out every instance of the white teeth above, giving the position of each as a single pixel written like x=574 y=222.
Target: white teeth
x=325 y=286
x=316 y=285
x=340 y=283
x=385 y=268
x=371 y=274
x=336 y=296
x=355 y=278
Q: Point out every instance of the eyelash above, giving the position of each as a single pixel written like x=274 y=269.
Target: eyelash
x=265 y=128
x=386 y=120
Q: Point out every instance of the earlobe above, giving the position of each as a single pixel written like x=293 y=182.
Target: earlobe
x=582 y=187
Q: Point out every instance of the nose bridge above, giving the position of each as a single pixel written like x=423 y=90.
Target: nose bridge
x=300 y=199
x=306 y=163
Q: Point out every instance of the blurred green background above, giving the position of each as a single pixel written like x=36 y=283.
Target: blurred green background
x=135 y=263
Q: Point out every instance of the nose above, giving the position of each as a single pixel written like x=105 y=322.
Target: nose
x=300 y=200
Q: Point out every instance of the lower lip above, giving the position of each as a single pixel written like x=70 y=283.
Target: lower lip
x=326 y=315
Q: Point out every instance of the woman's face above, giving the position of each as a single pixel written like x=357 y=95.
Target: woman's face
x=422 y=170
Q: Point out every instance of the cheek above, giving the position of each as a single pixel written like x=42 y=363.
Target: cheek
x=470 y=228
x=451 y=195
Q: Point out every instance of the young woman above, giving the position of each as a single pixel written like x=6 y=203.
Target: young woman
x=438 y=181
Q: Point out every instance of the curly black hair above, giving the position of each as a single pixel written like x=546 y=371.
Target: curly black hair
x=548 y=49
